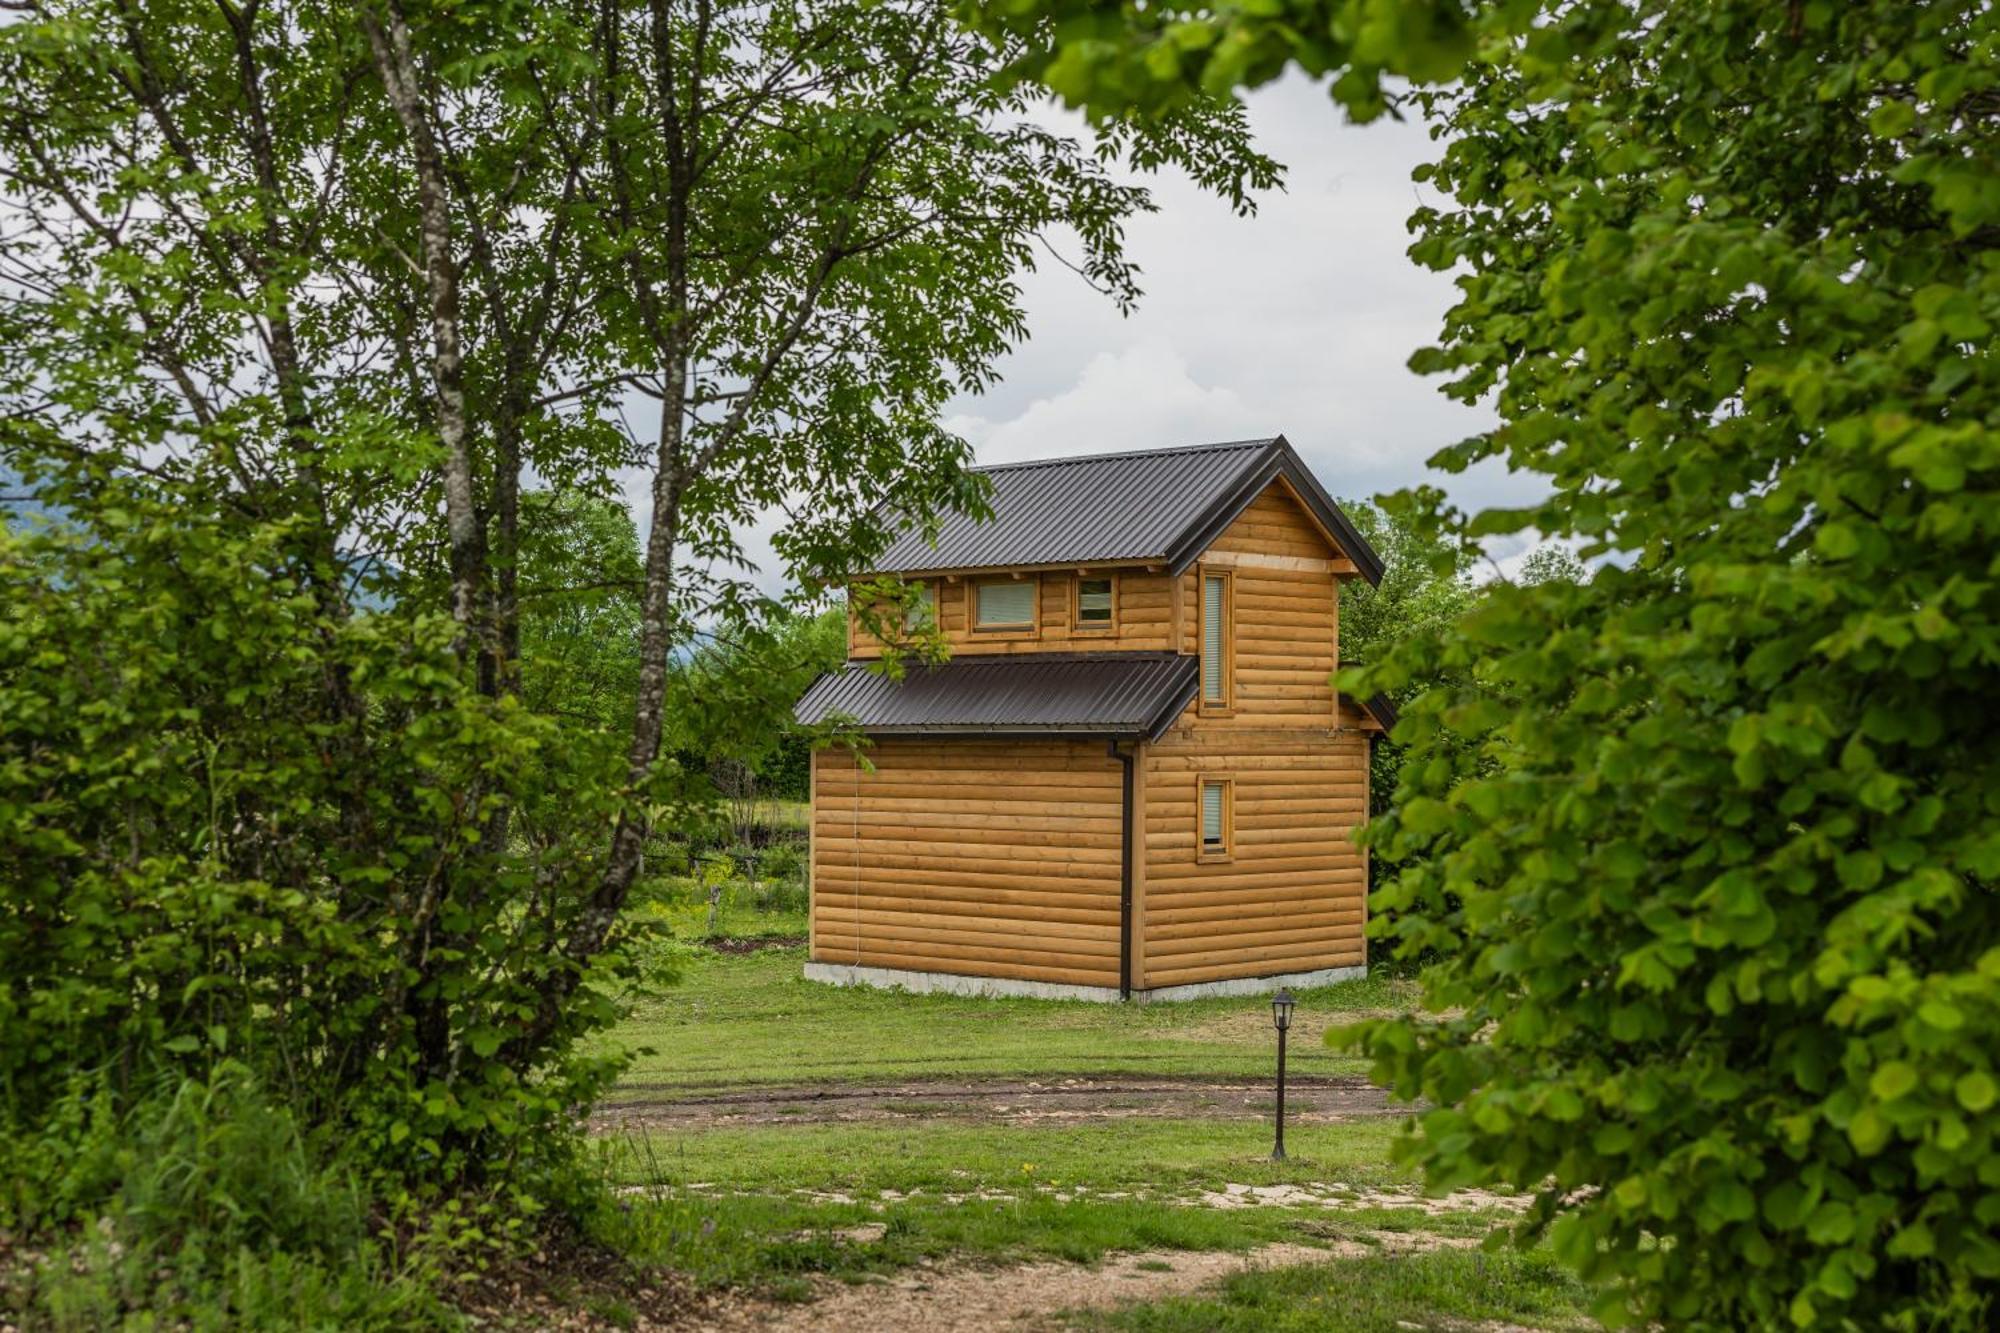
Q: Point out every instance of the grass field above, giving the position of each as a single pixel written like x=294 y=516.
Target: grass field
x=749 y=1019
x=777 y=1189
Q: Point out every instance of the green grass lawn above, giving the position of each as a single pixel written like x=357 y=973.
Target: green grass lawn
x=741 y=1020
x=772 y=1205
x=766 y=1203
x=1168 y=1156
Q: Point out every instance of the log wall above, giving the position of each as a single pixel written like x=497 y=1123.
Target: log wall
x=1001 y=858
x=1287 y=616
x=1291 y=895
x=1290 y=898
x=1143 y=617
x=985 y=858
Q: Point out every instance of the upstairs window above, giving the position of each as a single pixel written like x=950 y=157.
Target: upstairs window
x=921 y=611
x=1094 y=603
x=1004 y=604
x=1217 y=819
x=1215 y=638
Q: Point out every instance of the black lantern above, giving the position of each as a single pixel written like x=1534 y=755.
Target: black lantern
x=1281 y=1019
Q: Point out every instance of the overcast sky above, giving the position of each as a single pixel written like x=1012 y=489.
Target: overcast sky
x=1296 y=321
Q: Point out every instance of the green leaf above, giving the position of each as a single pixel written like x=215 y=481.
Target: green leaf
x=1892 y=1080
x=1976 y=1091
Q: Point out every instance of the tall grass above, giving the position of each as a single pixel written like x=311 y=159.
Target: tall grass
x=216 y=1213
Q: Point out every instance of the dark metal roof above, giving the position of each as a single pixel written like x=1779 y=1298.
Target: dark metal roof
x=1383 y=709
x=1081 y=694
x=1163 y=505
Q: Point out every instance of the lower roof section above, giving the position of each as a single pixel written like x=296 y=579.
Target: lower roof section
x=1119 y=695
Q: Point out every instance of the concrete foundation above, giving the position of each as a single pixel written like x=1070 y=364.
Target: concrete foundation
x=951 y=983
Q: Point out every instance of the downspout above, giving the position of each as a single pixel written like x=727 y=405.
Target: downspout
x=1124 y=873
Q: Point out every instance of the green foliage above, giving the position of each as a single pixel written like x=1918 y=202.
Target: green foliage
x=579 y=590
x=328 y=745
x=219 y=1215
x=1706 y=840
x=746 y=677
x=1424 y=585
x=1715 y=889
x=1114 y=57
x=210 y=854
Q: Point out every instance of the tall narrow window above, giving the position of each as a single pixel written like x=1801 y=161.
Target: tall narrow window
x=1004 y=604
x=1215 y=639
x=1094 y=603
x=1215 y=819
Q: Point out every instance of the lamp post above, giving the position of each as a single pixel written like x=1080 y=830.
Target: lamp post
x=1281 y=1018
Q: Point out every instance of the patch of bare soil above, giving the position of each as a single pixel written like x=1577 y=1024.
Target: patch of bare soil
x=1307 y=1099
x=579 y=1288
x=736 y=944
x=1027 y=1296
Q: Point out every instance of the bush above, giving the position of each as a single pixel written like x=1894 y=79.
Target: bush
x=223 y=1217
x=784 y=860
x=1708 y=842
x=234 y=828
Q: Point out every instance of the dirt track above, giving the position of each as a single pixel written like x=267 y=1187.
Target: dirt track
x=1007 y=1100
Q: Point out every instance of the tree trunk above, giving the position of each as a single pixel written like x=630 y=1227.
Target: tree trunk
x=389 y=42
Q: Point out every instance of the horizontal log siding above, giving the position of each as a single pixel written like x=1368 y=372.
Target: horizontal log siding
x=984 y=858
x=1144 y=618
x=1286 y=613
x=1290 y=898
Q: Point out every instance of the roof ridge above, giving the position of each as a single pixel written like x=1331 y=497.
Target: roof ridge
x=1263 y=441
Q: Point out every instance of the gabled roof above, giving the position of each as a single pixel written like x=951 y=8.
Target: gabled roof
x=1157 y=506
x=1115 y=695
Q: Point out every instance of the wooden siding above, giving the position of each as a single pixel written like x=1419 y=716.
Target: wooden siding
x=985 y=858
x=1001 y=859
x=1289 y=897
x=1285 y=598
x=1142 y=617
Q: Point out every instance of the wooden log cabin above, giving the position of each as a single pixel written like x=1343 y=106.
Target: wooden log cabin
x=1133 y=777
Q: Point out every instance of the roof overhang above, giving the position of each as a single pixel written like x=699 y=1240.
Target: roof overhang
x=1382 y=710
x=1281 y=462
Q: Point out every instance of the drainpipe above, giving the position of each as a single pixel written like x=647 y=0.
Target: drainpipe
x=1124 y=874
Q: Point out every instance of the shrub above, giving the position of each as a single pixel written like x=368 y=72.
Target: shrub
x=1708 y=842
x=784 y=860
x=221 y=1216
x=233 y=828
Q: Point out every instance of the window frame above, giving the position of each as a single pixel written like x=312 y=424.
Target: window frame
x=1227 y=852
x=934 y=588
x=1226 y=705
x=1076 y=620
x=1024 y=629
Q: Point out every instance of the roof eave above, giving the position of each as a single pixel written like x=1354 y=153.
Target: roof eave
x=1383 y=710
x=1279 y=460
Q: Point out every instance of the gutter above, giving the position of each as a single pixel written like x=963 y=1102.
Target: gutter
x=1124 y=757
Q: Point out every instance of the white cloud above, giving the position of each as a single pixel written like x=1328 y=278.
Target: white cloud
x=1299 y=320
x=1140 y=397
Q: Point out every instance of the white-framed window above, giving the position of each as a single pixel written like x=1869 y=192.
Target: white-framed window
x=1215 y=819
x=1004 y=604
x=1096 y=601
x=1216 y=595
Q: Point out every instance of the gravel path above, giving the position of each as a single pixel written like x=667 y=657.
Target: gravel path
x=997 y=1100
